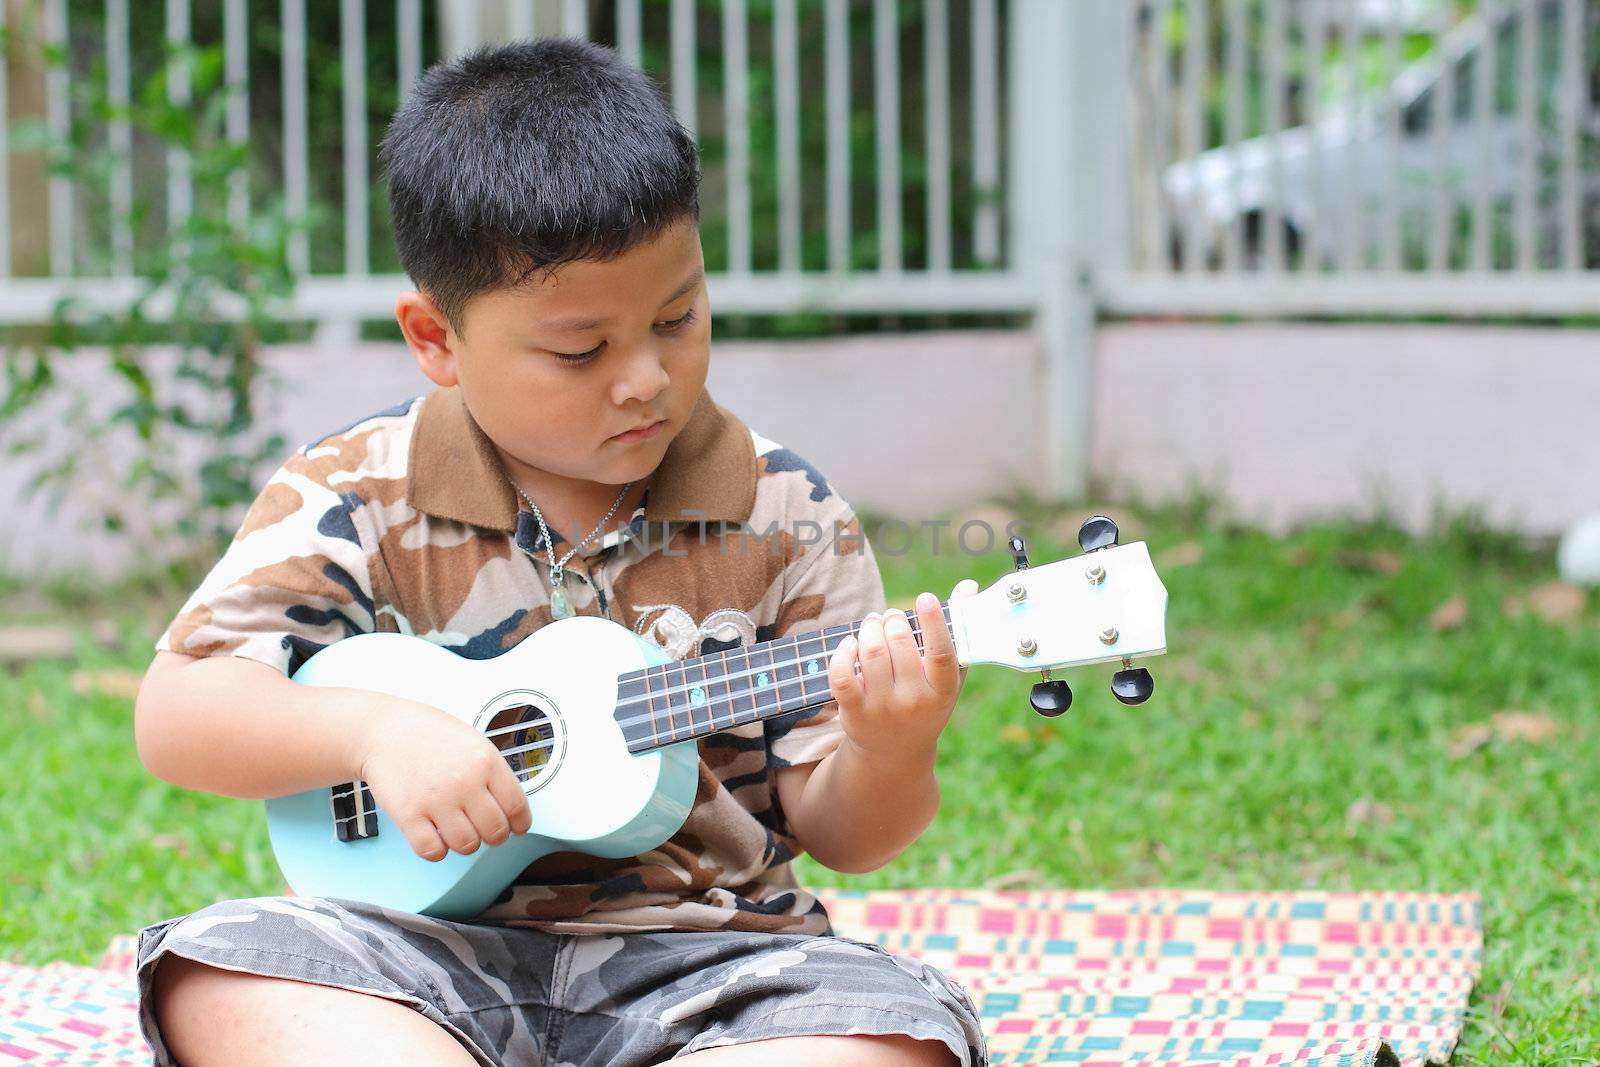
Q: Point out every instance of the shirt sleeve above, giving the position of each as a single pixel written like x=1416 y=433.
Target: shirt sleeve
x=835 y=581
x=294 y=579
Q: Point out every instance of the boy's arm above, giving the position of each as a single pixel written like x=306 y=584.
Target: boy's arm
x=228 y=725
x=876 y=793
x=240 y=728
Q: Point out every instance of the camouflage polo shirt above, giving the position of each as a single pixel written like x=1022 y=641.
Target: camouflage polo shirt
x=405 y=522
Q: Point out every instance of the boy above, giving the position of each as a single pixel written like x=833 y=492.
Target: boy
x=545 y=204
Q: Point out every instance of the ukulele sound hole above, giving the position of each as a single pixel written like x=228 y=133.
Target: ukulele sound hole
x=527 y=738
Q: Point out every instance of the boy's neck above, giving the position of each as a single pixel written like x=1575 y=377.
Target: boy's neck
x=571 y=507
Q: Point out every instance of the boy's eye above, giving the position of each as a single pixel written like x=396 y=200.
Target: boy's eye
x=578 y=357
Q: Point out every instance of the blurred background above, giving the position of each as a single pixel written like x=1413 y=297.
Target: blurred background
x=1305 y=292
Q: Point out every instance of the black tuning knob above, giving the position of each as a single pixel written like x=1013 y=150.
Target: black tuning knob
x=1019 y=558
x=1050 y=698
x=1097 y=532
x=1132 y=686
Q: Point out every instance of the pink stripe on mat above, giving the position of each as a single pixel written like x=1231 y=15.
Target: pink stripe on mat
x=1158 y=978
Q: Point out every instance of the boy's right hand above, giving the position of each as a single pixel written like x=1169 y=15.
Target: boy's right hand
x=444 y=784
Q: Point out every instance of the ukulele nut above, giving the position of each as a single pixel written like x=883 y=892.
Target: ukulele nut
x=1027 y=646
x=1109 y=635
x=1016 y=592
x=1096 y=574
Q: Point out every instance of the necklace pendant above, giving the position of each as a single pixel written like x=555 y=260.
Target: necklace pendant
x=560 y=606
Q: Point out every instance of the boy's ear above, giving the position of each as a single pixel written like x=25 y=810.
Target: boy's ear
x=428 y=333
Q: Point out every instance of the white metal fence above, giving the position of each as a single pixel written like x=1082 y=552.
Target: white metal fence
x=1056 y=159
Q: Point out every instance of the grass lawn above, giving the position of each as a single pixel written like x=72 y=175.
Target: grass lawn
x=1330 y=716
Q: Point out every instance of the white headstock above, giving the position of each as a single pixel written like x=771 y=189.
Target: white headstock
x=1105 y=605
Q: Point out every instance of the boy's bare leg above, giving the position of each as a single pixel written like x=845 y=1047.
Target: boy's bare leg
x=864 y=1051
x=212 y=1016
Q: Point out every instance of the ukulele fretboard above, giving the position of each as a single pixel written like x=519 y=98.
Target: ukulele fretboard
x=691 y=698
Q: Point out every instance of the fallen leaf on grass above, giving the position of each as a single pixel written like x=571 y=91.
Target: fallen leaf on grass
x=1558 y=602
x=1531 y=726
x=1017 y=735
x=1368 y=812
x=1449 y=615
x=1186 y=554
x=1381 y=560
x=1024 y=879
x=171 y=841
x=113 y=682
x=1505 y=727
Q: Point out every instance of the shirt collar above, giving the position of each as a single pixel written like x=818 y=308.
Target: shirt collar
x=707 y=475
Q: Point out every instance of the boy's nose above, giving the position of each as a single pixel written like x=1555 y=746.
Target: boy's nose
x=643 y=379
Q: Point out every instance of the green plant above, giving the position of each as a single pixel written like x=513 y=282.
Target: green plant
x=175 y=459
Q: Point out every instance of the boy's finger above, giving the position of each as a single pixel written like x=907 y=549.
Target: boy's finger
x=938 y=650
x=877 y=671
x=903 y=654
x=843 y=681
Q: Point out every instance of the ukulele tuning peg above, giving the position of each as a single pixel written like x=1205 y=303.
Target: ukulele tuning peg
x=1019 y=556
x=1050 y=698
x=1132 y=685
x=1097 y=532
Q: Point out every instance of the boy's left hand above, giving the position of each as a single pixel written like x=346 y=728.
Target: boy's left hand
x=894 y=706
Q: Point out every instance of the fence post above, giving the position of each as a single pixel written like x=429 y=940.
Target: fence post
x=1067 y=204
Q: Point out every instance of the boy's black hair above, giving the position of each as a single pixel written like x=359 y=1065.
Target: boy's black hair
x=527 y=156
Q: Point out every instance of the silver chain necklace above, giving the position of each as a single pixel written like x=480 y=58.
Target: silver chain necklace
x=560 y=606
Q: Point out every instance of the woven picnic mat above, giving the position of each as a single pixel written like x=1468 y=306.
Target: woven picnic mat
x=1100 y=979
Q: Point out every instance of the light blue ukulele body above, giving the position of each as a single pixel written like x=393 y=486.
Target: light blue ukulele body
x=591 y=796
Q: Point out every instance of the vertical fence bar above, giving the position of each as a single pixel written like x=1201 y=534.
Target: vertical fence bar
x=119 y=134
x=1272 y=92
x=237 y=59
x=1233 y=132
x=1352 y=230
x=1528 y=141
x=886 y=109
x=985 y=134
x=408 y=15
x=1389 y=105
x=519 y=20
x=630 y=32
x=936 y=112
x=296 y=175
x=58 y=119
x=1442 y=115
x=180 y=187
x=736 y=121
x=575 y=18
x=685 y=95
x=352 y=59
x=1196 y=46
x=1314 y=32
x=837 y=74
x=786 y=86
x=1573 y=96
x=5 y=160
x=1158 y=99
x=1484 y=66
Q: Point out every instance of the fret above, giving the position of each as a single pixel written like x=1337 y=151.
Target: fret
x=748 y=688
x=813 y=668
x=680 y=713
x=718 y=689
x=786 y=673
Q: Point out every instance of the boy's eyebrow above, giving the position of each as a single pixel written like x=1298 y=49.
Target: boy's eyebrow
x=570 y=325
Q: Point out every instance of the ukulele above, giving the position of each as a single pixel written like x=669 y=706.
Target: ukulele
x=599 y=724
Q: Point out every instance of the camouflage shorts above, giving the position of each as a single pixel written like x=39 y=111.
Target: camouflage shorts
x=520 y=996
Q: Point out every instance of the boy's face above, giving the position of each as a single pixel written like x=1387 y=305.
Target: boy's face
x=558 y=371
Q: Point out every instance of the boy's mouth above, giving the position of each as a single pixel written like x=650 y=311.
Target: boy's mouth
x=640 y=432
